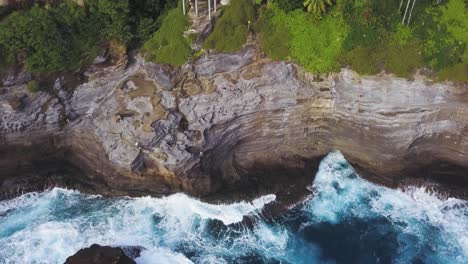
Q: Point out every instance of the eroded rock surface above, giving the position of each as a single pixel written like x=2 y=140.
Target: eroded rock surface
x=230 y=123
x=97 y=254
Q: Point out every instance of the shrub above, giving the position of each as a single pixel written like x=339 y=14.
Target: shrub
x=33 y=86
x=33 y=35
x=168 y=45
x=144 y=17
x=442 y=30
x=79 y=31
x=232 y=29
x=113 y=17
x=390 y=55
x=289 y=5
x=402 y=35
x=63 y=36
x=455 y=17
x=402 y=60
x=457 y=73
x=369 y=21
x=377 y=40
x=274 y=38
x=362 y=60
x=314 y=44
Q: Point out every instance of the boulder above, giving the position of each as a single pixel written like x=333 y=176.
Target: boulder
x=97 y=254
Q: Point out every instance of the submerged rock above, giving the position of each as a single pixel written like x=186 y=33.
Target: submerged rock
x=97 y=254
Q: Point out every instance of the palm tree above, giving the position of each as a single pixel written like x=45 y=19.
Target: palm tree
x=317 y=7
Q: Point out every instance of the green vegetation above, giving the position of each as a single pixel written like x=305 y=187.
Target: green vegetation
x=63 y=36
x=34 y=35
x=289 y=5
x=313 y=43
x=457 y=73
x=274 y=37
x=368 y=36
x=168 y=45
x=318 y=7
x=232 y=29
x=378 y=41
x=33 y=86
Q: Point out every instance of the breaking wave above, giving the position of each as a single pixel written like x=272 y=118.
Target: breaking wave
x=347 y=220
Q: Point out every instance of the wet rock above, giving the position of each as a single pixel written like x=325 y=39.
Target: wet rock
x=97 y=254
x=254 y=127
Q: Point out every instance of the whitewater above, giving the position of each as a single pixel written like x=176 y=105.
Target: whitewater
x=346 y=220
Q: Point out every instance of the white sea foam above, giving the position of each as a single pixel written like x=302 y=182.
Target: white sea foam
x=182 y=206
x=50 y=226
x=340 y=194
x=162 y=256
x=53 y=225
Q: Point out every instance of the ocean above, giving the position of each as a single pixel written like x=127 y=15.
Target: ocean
x=346 y=220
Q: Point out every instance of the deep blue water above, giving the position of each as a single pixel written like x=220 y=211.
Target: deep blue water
x=347 y=220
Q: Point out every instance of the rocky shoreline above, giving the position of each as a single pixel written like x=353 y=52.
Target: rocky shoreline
x=96 y=254
x=228 y=127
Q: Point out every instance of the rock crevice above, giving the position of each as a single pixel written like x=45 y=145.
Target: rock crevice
x=230 y=123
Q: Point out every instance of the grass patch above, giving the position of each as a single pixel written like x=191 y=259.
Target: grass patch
x=362 y=60
x=402 y=60
x=399 y=58
x=456 y=73
x=168 y=45
x=232 y=29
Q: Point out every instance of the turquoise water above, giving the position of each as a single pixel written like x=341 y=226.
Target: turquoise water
x=347 y=220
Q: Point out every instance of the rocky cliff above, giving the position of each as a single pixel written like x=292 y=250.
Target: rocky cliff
x=228 y=124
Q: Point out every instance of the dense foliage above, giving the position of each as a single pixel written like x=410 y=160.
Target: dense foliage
x=274 y=36
x=313 y=43
x=232 y=29
x=289 y=5
x=63 y=36
x=168 y=45
x=317 y=7
x=369 y=36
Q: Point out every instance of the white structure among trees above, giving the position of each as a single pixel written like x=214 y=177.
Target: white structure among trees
x=211 y=6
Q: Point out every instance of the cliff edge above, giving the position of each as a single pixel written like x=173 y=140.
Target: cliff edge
x=228 y=124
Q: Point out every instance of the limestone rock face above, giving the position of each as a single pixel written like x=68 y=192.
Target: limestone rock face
x=230 y=124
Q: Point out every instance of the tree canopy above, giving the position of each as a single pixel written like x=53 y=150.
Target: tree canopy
x=63 y=36
x=368 y=36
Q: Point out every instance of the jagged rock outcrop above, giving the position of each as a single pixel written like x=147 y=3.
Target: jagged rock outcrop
x=229 y=124
x=97 y=254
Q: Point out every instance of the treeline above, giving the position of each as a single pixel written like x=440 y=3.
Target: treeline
x=58 y=36
x=370 y=36
x=398 y=36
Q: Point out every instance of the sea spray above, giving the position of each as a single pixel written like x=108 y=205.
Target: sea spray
x=63 y=221
x=418 y=224
x=348 y=220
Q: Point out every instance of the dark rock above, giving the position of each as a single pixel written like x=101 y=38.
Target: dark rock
x=132 y=251
x=205 y=32
x=254 y=127
x=97 y=254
